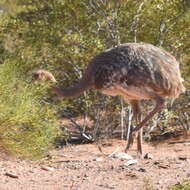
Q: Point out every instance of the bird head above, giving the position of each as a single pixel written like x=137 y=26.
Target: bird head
x=43 y=76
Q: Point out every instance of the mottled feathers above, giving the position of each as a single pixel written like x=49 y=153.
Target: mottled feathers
x=136 y=65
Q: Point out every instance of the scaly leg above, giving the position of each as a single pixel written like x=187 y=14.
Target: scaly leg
x=137 y=118
x=160 y=102
x=139 y=142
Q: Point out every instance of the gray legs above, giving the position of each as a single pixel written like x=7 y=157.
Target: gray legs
x=139 y=124
x=137 y=118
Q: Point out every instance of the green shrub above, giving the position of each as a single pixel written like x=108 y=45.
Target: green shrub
x=28 y=124
x=184 y=186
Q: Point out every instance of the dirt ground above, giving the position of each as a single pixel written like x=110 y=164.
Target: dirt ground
x=81 y=167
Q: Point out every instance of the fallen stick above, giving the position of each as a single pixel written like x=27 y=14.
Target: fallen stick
x=11 y=175
x=117 y=149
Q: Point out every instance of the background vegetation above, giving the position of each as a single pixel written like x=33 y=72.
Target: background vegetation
x=62 y=36
x=184 y=186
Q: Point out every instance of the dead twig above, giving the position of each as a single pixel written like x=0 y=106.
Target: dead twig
x=116 y=150
x=11 y=175
x=100 y=149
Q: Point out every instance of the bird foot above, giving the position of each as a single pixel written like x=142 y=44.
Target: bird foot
x=139 y=155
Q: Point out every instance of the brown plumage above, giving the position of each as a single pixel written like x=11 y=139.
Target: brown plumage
x=133 y=71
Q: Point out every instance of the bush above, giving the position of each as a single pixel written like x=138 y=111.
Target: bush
x=184 y=186
x=28 y=124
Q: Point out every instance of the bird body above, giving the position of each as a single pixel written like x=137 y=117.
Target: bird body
x=134 y=71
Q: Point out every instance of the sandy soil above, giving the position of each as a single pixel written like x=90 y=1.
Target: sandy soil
x=81 y=167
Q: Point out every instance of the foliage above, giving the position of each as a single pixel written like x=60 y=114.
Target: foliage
x=183 y=186
x=28 y=126
x=147 y=185
x=62 y=36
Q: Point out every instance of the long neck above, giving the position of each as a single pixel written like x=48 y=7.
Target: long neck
x=85 y=83
x=72 y=92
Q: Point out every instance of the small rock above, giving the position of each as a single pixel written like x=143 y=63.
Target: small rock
x=142 y=170
x=132 y=175
x=161 y=165
x=156 y=163
x=130 y=162
x=182 y=158
x=47 y=168
x=100 y=159
x=123 y=155
x=178 y=150
x=148 y=156
x=186 y=144
x=11 y=175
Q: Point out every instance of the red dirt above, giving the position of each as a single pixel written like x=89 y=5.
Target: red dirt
x=75 y=167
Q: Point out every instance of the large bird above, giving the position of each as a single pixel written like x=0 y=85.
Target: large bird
x=134 y=71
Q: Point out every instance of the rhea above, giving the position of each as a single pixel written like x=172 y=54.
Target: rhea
x=134 y=71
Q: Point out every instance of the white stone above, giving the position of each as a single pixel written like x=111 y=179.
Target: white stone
x=122 y=155
x=130 y=162
x=100 y=159
x=187 y=144
x=47 y=168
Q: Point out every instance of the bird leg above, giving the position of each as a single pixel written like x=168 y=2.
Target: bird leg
x=139 y=142
x=137 y=118
x=137 y=115
x=130 y=139
x=160 y=102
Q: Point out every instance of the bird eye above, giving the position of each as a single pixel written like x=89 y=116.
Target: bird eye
x=35 y=76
